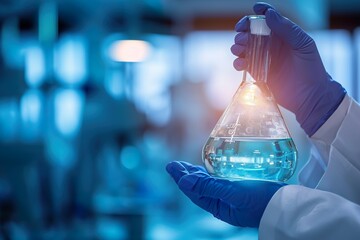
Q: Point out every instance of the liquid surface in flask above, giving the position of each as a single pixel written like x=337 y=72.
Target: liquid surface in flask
x=263 y=159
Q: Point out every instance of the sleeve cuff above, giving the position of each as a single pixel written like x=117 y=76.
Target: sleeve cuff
x=327 y=132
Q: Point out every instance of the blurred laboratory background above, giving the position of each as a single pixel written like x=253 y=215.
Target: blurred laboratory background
x=96 y=97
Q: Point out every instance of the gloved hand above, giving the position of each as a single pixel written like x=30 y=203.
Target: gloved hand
x=240 y=203
x=297 y=76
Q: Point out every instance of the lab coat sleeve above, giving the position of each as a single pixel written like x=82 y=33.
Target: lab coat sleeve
x=321 y=141
x=332 y=209
x=298 y=212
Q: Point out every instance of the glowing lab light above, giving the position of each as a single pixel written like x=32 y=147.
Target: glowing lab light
x=31 y=109
x=30 y=106
x=9 y=118
x=70 y=60
x=130 y=157
x=68 y=111
x=129 y=50
x=34 y=66
x=114 y=84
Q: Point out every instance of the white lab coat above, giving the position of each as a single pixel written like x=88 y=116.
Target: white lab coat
x=327 y=206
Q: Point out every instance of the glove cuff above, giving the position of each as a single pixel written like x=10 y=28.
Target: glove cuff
x=321 y=107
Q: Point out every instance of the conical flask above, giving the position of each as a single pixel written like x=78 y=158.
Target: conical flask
x=251 y=140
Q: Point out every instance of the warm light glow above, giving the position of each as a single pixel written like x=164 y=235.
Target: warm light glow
x=249 y=94
x=129 y=51
x=249 y=98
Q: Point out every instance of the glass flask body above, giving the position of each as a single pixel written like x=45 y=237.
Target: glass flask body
x=251 y=140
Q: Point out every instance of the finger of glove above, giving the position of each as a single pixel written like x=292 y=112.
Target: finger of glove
x=193 y=168
x=176 y=170
x=261 y=8
x=210 y=205
x=240 y=64
x=215 y=206
x=243 y=25
x=286 y=30
x=241 y=39
x=220 y=209
x=238 y=50
x=207 y=186
x=239 y=193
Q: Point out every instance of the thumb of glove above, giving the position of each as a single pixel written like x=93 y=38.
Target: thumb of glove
x=288 y=31
x=283 y=28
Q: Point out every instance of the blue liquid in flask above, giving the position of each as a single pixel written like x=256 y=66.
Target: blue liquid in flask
x=259 y=159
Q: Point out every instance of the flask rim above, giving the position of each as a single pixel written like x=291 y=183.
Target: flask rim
x=258 y=25
x=252 y=17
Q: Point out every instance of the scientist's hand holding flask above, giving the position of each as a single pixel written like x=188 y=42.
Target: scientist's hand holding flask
x=297 y=76
x=239 y=203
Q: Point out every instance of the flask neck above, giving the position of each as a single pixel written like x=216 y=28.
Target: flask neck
x=258 y=57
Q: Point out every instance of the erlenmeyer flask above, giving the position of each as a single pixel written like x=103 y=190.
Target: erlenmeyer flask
x=251 y=140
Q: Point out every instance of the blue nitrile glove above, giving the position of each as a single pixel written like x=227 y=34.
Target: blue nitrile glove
x=297 y=76
x=240 y=203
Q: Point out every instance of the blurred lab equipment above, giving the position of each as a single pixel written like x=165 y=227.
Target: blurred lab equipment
x=251 y=140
